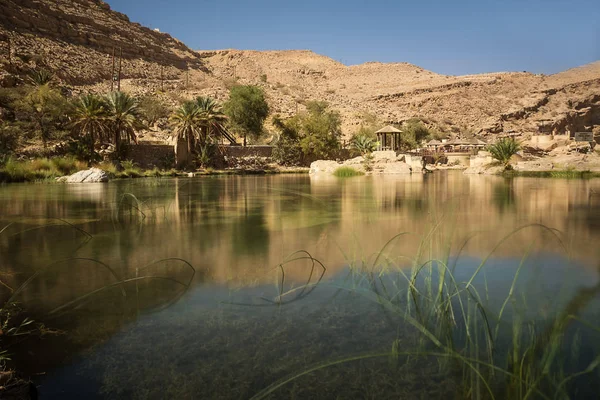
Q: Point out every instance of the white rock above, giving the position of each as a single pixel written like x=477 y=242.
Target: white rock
x=92 y=175
x=396 y=168
x=324 y=167
x=384 y=155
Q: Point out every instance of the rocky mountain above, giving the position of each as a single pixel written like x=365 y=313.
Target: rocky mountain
x=486 y=104
x=75 y=38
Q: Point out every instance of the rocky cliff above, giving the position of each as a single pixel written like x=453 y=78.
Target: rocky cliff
x=76 y=38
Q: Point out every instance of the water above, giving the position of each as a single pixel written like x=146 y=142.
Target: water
x=214 y=329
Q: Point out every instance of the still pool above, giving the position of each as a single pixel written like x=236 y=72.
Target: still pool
x=425 y=286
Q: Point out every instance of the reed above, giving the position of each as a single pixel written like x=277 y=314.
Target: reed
x=497 y=353
x=346 y=172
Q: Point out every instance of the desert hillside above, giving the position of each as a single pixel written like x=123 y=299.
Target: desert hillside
x=75 y=39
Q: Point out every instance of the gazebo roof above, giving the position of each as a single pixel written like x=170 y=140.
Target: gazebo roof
x=433 y=142
x=477 y=142
x=389 y=129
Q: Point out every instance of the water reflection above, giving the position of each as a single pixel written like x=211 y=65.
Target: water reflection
x=235 y=231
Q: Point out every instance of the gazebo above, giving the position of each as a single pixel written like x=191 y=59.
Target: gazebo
x=433 y=144
x=389 y=138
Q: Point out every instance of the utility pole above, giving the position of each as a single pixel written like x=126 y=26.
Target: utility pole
x=162 y=82
x=187 y=78
x=112 y=73
x=119 y=75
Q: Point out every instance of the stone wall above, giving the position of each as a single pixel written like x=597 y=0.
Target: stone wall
x=249 y=151
x=459 y=159
x=152 y=155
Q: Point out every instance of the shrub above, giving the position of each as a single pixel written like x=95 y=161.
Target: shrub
x=364 y=144
x=68 y=165
x=9 y=139
x=287 y=151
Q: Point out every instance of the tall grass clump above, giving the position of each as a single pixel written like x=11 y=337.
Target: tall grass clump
x=39 y=169
x=505 y=349
x=346 y=172
x=565 y=174
x=503 y=150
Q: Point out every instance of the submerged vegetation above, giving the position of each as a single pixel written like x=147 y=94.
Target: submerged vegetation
x=502 y=347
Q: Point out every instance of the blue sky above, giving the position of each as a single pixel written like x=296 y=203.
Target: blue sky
x=450 y=37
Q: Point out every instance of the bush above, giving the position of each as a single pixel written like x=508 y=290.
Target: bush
x=9 y=139
x=287 y=151
x=81 y=149
x=364 y=144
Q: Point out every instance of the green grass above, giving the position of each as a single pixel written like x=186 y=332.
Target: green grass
x=346 y=172
x=565 y=174
x=39 y=169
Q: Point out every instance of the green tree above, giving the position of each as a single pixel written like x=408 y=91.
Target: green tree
x=124 y=118
x=90 y=121
x=321 y=130
x=212 y=118
x=153 y=109
x=187 y=124
x=314 y=133
x=287 y=150
x=413 y=133
x=247 y=110
x=503 y=150
x=45 y=107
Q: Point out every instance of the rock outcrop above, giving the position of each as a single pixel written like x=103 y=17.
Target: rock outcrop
x=76 y=38
x=383 y=163
x=92 y=175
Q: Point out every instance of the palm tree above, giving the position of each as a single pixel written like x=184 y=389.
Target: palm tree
x=90 y=120
x=503 y=150
x=211 y=116
x=187 y=123
x=124 y=115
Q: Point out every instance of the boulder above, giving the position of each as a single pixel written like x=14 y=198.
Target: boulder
x=396 y=168
x=384 y=155
x=324 y=167
x=489 y=169
x=355 y=161
x=92 y=175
